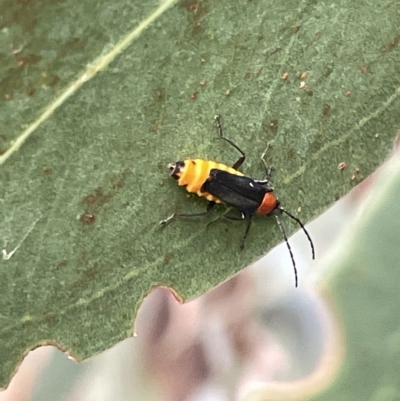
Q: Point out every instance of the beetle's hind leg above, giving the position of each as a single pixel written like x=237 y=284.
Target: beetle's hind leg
x=235 y=218
x=173 y=216
x=240 y=161
x=224 y=216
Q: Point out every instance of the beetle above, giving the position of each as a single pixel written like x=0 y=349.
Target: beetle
x=219 y=183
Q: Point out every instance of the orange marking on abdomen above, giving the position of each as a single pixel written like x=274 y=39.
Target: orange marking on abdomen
x=268 y=204
x=197 y=171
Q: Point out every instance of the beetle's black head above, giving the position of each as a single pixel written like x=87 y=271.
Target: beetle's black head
x=176 y=169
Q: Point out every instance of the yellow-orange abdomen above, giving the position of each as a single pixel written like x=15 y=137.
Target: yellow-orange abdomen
x=193 y=173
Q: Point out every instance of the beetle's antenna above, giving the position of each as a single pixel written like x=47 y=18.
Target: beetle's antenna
x=280 y=225
x=304 y=229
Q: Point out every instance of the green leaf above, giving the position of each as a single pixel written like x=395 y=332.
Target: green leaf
x=97 y=98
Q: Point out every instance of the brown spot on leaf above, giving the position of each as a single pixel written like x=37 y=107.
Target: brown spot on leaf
x=61 y=265
x=364 y=68
x=87 y=218
x=98 y=198
x=168 y=256
x=159 y=94
x=326 y=110
x=31 y=91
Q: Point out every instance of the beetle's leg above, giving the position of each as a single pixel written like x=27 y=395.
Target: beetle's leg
x=234 y=218
x=246 y=232
x=215 y=220
x=168 y=220
x=224 y=216
x=268 y=169
x=241 y=218
x=266 y=182
x=240 y=161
